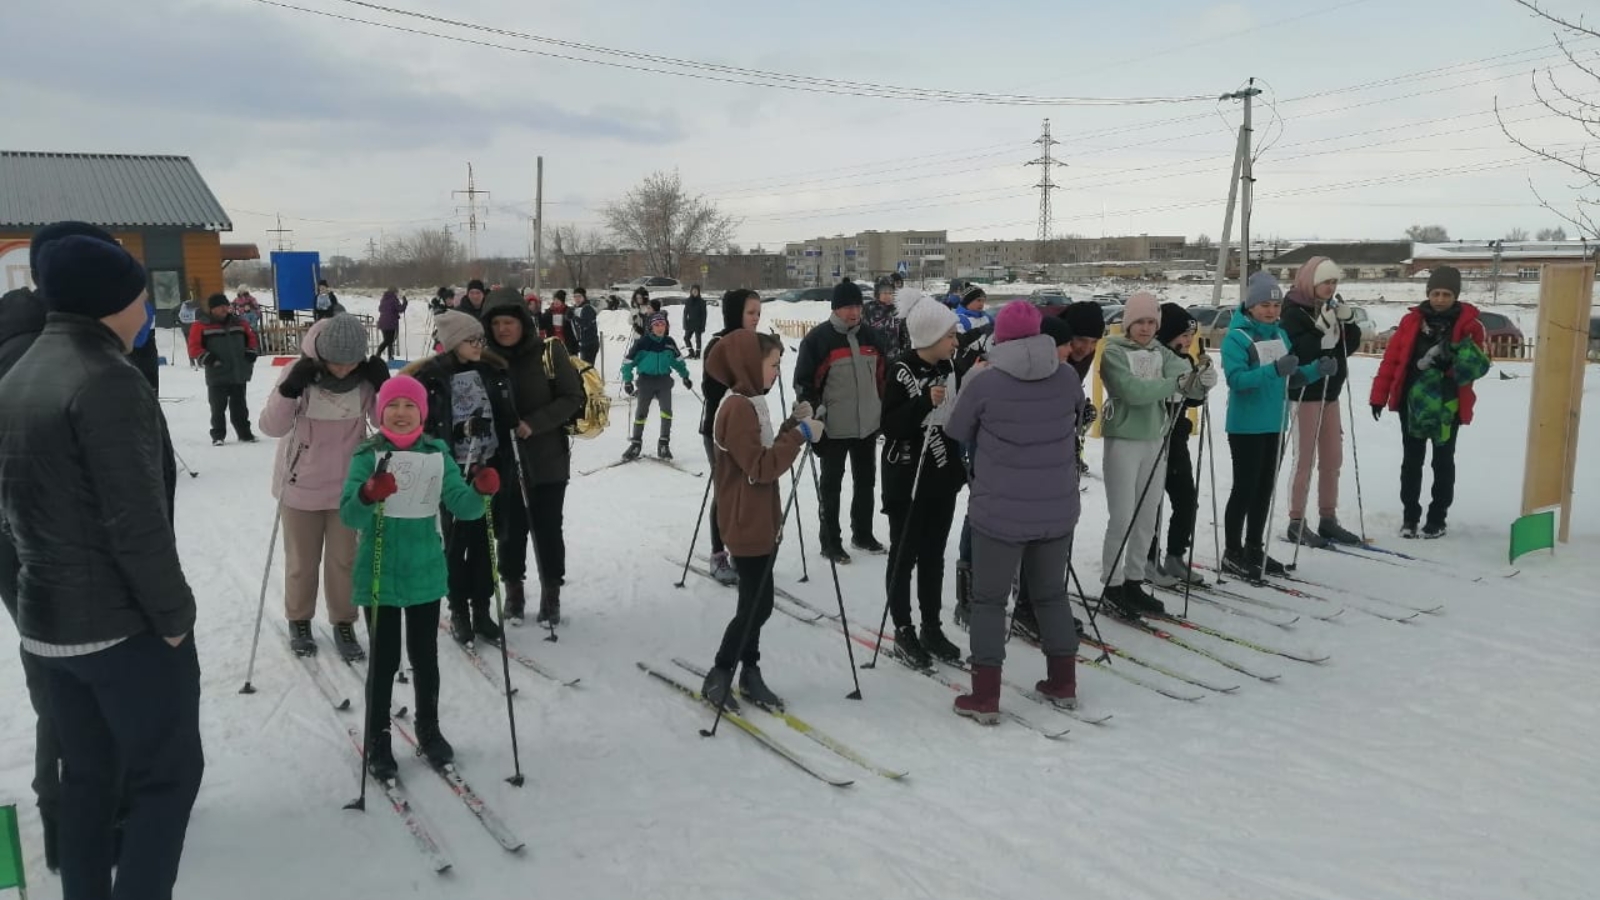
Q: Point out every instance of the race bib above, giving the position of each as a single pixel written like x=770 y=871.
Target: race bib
x=1269 y=352
x=327 y=406
x=420 y=478
x=1145 y=364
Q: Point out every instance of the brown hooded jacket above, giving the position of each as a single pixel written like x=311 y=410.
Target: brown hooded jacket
x=746 y=471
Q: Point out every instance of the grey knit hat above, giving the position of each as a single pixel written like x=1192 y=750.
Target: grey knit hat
x=1262 y=288
x=455 y=328
x=342 y=341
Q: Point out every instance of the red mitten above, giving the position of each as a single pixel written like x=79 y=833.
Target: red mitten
x=380 y=487
x=486 y=482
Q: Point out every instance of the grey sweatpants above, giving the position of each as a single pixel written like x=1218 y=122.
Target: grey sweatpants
x=1044 y=574
x=1127 y=466
x=653 y=387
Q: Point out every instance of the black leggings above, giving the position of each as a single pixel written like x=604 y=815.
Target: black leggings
x=1255 y=468
x=755 y=608
x=918 y=533
x=548 y=502
x=389 y=334
x=466 y=551
x=1183 y=497
x=422 y=648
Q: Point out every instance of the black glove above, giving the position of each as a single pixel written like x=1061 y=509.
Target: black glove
x=375 y=371
x=480 y=426
x=688 y=384
x=1090 y=414
x=302 y=375
x=1377 y=411
x=627 y=388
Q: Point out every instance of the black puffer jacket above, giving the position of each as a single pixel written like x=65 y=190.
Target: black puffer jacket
x=82 y=497
x=21 y=319
x=546 y=401
x=1305 y=341
x=732 y=307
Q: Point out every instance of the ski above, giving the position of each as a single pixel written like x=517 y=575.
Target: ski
x=401 y=804
x=674 y=465
x=817 y=735
x=1428 y=610
x=1110 y=649
x=1136 y=680
x=934 y=674
x=609 y=465
x=746 y=726
x=1150 y=628
x=1291 y=591
x=340 y=702
x=478 y=661
x=539 y=668
x=1243 y=642
x=1199 y=594
x=452 y=776
x=1030 y=693
x=1238 y=597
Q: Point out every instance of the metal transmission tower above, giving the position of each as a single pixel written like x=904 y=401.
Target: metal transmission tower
x=280 y=231
x=473 y=226
x=1047 y=183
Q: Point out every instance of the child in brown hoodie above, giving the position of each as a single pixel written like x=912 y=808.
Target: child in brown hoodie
x=750 y=460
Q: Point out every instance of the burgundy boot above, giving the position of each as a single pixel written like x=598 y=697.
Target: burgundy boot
x=983 y=704
x=1061 y=681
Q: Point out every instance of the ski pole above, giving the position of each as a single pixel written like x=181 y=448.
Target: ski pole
x=1094 y=625
x=516 y=779
x=1216 y=521
x=750 y=620
x=184 y=463
x=1355 y=452
x=1199 y=465
x=272 y=549
x=794 y=485
x=360 y=803
x=897 y=557
x=527 y=507
x=705 y=500
x=838 y=594
x=1277 y=470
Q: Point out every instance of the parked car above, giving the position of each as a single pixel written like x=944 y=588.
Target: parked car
x=1112 y=313
x=1109 y=298
x=801 y=295
x=1506 y=340
x=651 y=283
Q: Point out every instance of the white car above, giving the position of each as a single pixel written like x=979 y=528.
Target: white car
x=651 y=283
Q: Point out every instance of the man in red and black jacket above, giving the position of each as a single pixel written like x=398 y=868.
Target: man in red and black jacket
x=840 y=376
x=226 y=347
x=1431 y=336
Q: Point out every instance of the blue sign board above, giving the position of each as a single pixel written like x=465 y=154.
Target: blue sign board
x=902 y=268
x=294 y=278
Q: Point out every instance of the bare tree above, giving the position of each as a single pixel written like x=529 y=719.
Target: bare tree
x=666 y=224
x=428 y=256
x=1552 y=234
x=1203 y=242
x=1428 y=234
x=1575 y=102
x=1517 y=234
x=576 y=248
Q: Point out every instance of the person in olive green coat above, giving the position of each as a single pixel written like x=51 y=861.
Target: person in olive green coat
x=397 y=480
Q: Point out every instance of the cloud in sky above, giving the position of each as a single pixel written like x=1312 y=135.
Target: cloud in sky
x=348 y=129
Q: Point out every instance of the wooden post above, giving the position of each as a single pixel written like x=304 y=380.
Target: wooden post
x=1566 y=294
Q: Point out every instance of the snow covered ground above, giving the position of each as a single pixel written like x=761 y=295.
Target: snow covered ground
x=1449 y=757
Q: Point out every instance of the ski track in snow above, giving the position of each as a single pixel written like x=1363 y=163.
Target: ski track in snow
x=1448 y=757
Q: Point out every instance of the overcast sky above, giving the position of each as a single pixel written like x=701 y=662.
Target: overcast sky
x=1384 y=112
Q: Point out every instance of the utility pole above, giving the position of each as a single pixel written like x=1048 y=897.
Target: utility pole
x=538 y=222
x=472 y=194
x=1046 y=163
x=1499 y=247
x=1241 y=188
x=280 y=231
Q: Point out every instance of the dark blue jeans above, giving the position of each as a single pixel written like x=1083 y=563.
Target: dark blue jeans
x=131 y=714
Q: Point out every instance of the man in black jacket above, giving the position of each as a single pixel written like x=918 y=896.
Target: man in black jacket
x=586 y=324
x=102 y=602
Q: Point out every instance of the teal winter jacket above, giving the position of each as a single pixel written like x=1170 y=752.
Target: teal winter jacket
x=651 y=355
x=1256 y=392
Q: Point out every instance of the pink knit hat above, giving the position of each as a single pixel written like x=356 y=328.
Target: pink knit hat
x=1142 y=305
x=1018 y=319
x=403 y=386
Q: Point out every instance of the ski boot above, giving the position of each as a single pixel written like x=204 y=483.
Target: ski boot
x=344 y=640
x=1235 y=563
x=1156 y=575
x=300 y=639
x=722 y=570
x=664 y=450
x=867 y=544
x=380 y=757
x=483 y=623
x=432 y=746
x=1299 y=534
x=1409 y=531
x=937 y=645
x=908 y=648
x=833 y=551
x=460 y=622
x=1263 y=564
x=717 y=689
x=516 y=602
x=1433 y=530
x=983 y=704
x=635 y=447
x=1174 y=566
x=754 y=689
x=1330 y=528
x=549 y=604
x=1061 y=681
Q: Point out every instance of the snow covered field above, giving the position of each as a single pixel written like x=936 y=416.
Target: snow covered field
x=1448 y=757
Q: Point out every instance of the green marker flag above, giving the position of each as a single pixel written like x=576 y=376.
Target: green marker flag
x=11 y=873
x=1536 y=531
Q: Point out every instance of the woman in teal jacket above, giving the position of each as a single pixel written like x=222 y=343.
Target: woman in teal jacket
x=402 y=475
x=1261 y=371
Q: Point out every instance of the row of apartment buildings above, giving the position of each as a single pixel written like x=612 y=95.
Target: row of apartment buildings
x=931 y=254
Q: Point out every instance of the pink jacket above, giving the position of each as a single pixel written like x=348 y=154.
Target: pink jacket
x=318 y=435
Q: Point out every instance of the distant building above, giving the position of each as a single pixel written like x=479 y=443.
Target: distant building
x=1356 y=259
x=864 y=256
x=158 y=207
x=1521 y=260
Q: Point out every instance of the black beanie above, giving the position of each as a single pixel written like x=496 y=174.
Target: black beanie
x=1175 y=321
x=475 y=284
x=846 y=293
x=1057 y=329
x=216 y=300
x=972 y=294
x=1447 y=277
x=57 y=231
x=87 y=276
x=1086 y=319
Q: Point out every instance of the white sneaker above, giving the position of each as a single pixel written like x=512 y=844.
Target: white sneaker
x=1156 y=576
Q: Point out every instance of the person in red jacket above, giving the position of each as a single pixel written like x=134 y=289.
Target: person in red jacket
x=1426 y=376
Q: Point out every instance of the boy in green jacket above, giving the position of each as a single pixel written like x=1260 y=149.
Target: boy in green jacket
x=655 y=357
x=1140 y=374
x=391 y=495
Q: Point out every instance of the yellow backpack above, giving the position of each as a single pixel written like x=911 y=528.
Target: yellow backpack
x=595 y=414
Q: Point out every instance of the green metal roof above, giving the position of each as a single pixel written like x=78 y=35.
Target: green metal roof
x=106 y=189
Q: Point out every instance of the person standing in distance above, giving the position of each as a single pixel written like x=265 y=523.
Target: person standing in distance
x=102 y=600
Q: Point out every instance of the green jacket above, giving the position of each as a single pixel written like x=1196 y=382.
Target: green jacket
x=414 y=569
x=652 y=355
x=1433 y=404
x=1139 y=379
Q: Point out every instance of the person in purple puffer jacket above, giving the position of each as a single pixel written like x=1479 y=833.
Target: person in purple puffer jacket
x=1018 y=413
x=390 y=309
